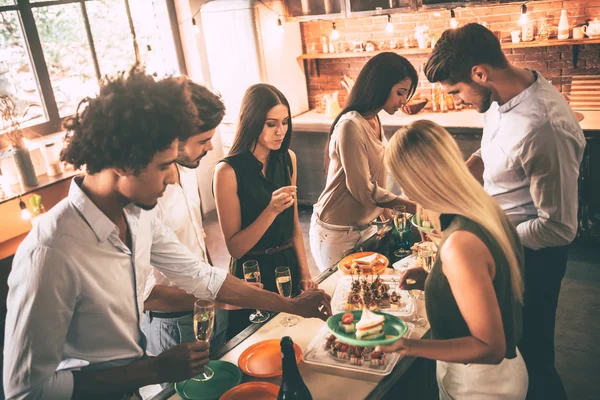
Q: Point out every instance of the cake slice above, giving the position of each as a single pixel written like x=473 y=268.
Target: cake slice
x=370 y=325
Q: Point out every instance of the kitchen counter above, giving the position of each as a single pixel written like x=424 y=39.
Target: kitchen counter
x=464 y=119
x=321 y=381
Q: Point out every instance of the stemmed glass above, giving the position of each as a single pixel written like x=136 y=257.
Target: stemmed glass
x=427 y=254
x=283 y=278
x=252 y=275
x=401 y=232
x=417 y=320
x=204 y=320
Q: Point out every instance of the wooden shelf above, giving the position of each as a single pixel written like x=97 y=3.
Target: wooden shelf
x=505 y=45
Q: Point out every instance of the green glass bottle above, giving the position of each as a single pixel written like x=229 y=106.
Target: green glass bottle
x=292 y=385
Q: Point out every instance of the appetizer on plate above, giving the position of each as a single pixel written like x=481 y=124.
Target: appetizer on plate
x=370 y=326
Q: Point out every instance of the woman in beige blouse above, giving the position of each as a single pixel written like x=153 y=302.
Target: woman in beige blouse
x=354 y=194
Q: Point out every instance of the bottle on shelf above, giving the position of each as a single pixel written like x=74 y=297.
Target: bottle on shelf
x=292 y=385
x=563 y=26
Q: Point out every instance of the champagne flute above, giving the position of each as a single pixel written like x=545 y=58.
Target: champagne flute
x=204 y=320
x=252 y=275
x=283 y=278
x=426 y=254
x=417 y=320
x=402 y=231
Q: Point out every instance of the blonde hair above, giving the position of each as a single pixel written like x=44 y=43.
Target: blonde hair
x=428 y=165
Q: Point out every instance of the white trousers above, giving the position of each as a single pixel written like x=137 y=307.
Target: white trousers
x=330 y=243
x=507 y=380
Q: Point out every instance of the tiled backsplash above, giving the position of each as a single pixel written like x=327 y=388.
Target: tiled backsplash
x=555 y=63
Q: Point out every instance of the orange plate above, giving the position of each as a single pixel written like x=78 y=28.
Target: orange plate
x=263 y=359
x=378 y=268
x=252 y=391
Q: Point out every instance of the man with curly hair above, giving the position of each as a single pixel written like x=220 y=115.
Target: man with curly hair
x=168 y=316
x=76 y=288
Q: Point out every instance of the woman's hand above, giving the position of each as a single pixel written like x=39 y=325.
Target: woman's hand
x=282 y=199
x=416 y=274
x=307 y=284
x=401 y=346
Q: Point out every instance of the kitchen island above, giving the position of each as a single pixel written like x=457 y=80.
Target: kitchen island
x=322 y=381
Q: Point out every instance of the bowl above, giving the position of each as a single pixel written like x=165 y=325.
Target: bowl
x=414 y=106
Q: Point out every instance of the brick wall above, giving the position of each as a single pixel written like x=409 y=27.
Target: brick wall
x=554 y=62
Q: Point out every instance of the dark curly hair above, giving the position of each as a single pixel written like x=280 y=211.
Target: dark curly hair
x=132 y=118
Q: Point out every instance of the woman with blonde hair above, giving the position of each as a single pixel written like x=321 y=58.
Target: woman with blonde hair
x=474 y=291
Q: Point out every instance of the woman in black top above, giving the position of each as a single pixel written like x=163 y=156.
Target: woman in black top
x=255 y=194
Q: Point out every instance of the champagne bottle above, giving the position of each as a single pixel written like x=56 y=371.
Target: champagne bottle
x=292 y=385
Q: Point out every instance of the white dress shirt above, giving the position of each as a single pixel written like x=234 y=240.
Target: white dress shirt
x=532 y=147
x=179 y=208
x=76 y=293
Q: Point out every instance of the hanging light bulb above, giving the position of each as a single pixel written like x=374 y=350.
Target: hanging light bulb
x=280 y=25
x=196 y=30
x=335 y=35
x=389 y=27
x=25 y=213
x=523 y=19
x=453 y=21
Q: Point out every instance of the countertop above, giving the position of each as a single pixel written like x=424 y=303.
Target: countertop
x=465 y=119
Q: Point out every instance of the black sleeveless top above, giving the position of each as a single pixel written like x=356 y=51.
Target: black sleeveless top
x=443 y=313
x=254 y=191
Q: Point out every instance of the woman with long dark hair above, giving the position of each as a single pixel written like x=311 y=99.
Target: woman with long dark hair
x=354 y=194
x=255 y=195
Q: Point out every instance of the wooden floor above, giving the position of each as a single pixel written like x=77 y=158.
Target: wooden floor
x=578 y=317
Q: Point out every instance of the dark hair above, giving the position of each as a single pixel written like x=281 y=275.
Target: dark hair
x=459 y=50
x=132 y=118
x=258 y=100
x=209 y=105
x=373 y=86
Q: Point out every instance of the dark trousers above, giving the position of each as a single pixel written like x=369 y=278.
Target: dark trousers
x=544 y=271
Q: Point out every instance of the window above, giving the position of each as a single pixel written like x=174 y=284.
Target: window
x=53 y=53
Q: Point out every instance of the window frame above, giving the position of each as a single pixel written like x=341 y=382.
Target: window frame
x=38 y=62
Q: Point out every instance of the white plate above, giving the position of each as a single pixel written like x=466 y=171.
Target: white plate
x=316 y=354
x=340 y=295
x=405 y=263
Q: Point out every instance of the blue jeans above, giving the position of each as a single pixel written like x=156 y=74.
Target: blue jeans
x=164 y=333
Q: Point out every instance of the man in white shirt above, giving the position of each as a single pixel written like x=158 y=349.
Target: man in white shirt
x=77 y=283
x=168 y=317
x=531 y=151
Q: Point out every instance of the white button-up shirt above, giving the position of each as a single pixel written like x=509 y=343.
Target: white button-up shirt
x=76 y=293
x=532 y=148
x=179 y=208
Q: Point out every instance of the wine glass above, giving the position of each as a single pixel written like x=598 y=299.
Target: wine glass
x=427 y=254
x=283 y=278
x=204 y=320
x=417 y=320
x=401 y=232
x=252 y=275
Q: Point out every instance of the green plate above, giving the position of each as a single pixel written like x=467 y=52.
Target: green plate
x=393 y=327
x=413 y=220
x=227 y=375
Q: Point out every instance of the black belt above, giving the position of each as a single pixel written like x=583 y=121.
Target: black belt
x=155 y=314
x=271 y=250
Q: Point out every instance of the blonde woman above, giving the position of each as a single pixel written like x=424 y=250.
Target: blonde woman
x=475 y=290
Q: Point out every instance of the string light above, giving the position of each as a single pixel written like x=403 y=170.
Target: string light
x=280 y=25
x=389 y=27
x=25 y=213
x=196 y=29
x=453 y=21
x=335 y=35
x=523 y=19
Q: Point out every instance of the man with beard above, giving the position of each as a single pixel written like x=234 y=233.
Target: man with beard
x=77 y=282
x=531 y=150
x=168 y=317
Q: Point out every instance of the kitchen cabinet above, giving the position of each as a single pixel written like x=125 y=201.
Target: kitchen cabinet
x=314 y=8
x=370 y=7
